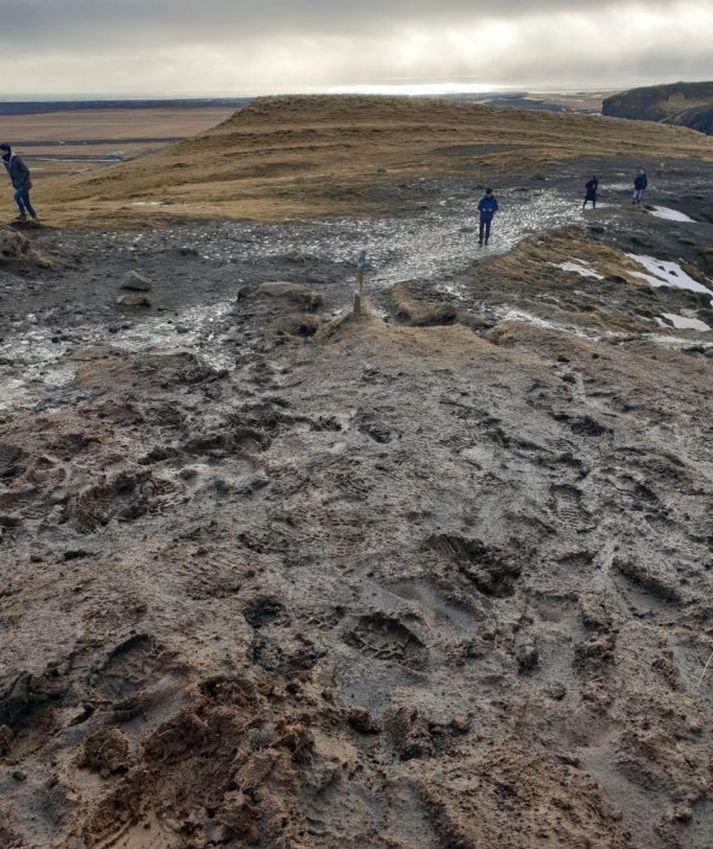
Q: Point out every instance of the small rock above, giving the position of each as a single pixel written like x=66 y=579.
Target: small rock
x=361 y=721
x=217 y=832
x=133 y=299
x=461 y=724
x=135 y=282
x=19 y=775
x=556 y=691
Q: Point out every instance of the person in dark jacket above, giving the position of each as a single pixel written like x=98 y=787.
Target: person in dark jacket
x=641 y=183
x=21 y=181
x=487 y=208
x=591 y=189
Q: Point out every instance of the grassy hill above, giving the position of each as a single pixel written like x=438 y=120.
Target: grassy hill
x=316 y=155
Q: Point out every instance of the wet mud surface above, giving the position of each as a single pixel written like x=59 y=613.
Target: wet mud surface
x=437 y=576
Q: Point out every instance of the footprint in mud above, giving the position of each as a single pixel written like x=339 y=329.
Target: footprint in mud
x=657 y=466
x=407 y=819
x=265 y=611
x=368 y=424
x=354 y=487
x=132 y=665
x=69 y=445
x=646 y=590
x=142 y=681
x=583 y=425
x=126 y=497
x=148 y=834
x=11 y=464
x=567 y=503
x=636 y=494
x=494 y=571
x=385 y=638
x=286 y=655
x=441 y=607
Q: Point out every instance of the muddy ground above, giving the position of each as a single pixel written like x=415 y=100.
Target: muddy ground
x=434 y=577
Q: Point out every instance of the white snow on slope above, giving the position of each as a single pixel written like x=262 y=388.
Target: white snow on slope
x=579 y=266
x=669 y=214
x=682 y=322
x=664 y=273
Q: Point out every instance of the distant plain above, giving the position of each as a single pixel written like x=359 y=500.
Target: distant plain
x=71 y=142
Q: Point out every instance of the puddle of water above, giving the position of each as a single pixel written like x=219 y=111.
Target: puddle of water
x=669 y=214
x=665 y=273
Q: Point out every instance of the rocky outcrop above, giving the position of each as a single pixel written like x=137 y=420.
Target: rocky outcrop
x=682 y=104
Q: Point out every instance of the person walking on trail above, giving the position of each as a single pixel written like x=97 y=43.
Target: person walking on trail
x=641 y=182
x=21 y=181
x=487 y=208
x=591 y=188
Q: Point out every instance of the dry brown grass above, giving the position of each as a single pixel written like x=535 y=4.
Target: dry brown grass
x=304 y=156
x=418 y=309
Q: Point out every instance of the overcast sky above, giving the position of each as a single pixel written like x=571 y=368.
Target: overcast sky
x=244 y=47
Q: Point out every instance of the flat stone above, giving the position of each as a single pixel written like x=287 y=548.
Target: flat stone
x=135 y=282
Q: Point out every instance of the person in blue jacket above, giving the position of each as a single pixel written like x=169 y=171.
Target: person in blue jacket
x=21 y=181
x=641 y=183
x=487 y=208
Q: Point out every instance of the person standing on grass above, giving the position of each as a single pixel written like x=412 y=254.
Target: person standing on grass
x=487 y=208
x=21 y=181
x=591 y=189
x=641 y=182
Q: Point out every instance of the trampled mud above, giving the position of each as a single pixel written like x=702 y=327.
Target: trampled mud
x=435 y=576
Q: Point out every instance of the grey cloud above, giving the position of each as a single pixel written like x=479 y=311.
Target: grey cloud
x=116 y=22
x=154 y=46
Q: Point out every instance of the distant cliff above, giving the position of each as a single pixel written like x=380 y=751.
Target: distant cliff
x=683 y=104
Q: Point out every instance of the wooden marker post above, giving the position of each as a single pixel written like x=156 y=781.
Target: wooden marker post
x=359 y=291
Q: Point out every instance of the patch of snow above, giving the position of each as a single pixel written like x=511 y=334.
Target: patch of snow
x=669 y=214
x=681 y=322
x=664 y=273
x=579 y=266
